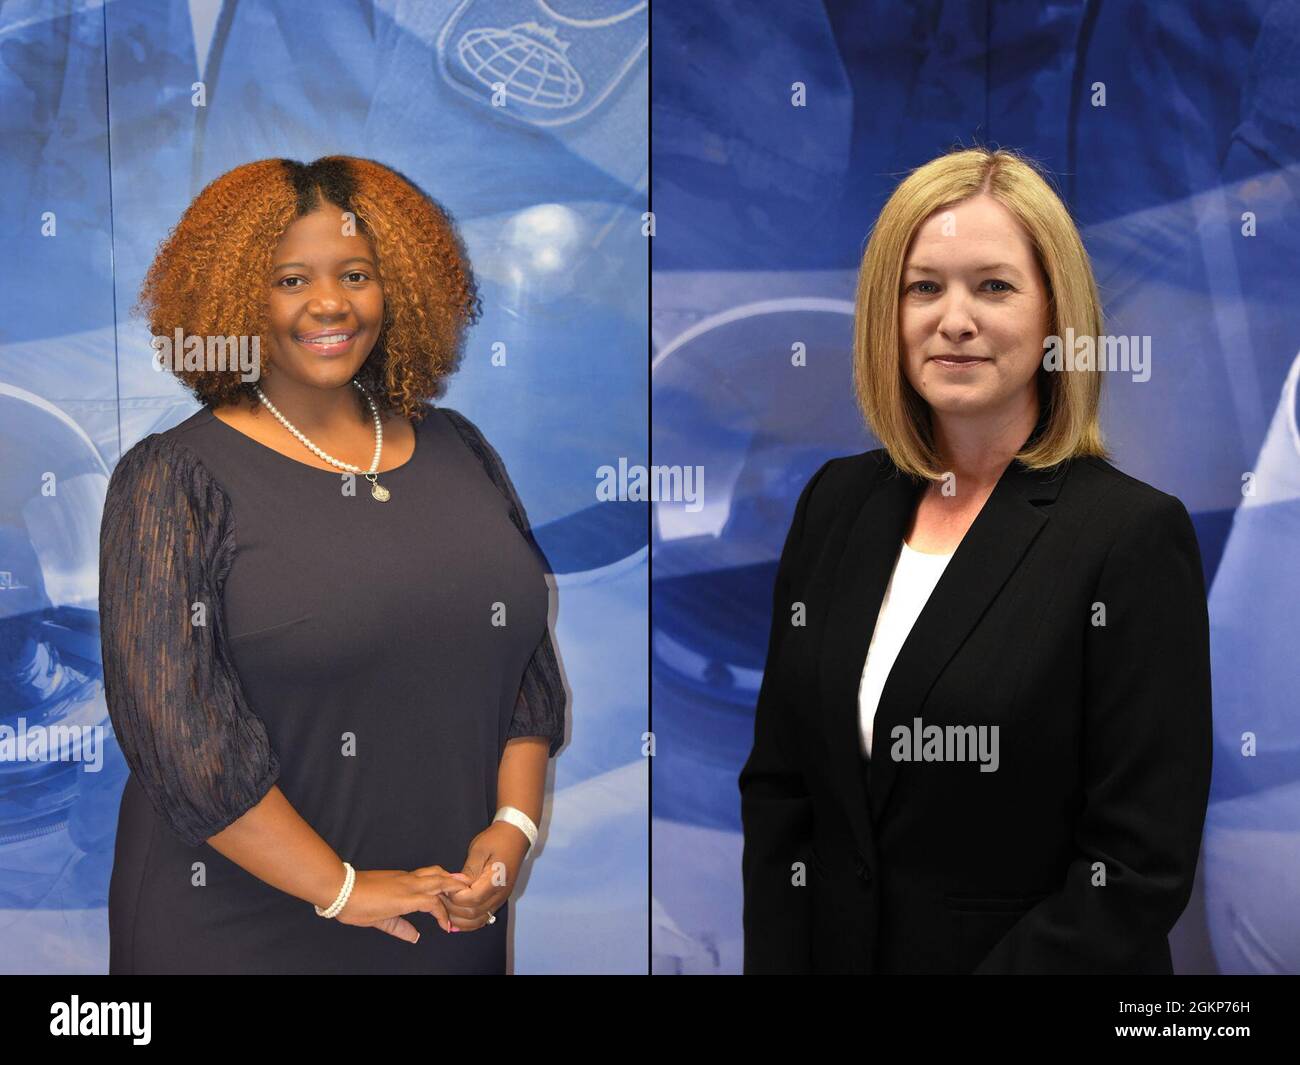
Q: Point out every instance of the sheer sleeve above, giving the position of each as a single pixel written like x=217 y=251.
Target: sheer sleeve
x=178 y=710
x=539 y=708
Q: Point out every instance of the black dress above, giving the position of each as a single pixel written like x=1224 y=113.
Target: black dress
x=262 y=626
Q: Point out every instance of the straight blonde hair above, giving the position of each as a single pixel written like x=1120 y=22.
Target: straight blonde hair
x=1069 y=399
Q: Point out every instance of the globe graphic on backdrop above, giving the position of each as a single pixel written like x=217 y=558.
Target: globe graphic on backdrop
x=527 y=59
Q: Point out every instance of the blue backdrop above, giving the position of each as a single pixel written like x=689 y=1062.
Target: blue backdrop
x=762 y=211
x=102 y=139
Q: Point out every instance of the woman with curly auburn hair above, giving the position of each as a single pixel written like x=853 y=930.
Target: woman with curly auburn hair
x=329 y=689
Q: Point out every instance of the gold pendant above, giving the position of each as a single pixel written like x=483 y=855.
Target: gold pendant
x=380 y=492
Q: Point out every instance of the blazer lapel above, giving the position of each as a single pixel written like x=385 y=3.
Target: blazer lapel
x=988 y=554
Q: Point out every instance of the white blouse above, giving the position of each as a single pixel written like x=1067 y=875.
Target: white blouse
x=914 y=577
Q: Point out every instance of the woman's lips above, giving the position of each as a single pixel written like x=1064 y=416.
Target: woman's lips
x=959 y=362
x=336 y=348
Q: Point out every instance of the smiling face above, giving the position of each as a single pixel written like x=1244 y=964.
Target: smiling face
x=972 y=290
x=323 y=283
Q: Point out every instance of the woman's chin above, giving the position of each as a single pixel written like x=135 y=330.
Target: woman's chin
x=323 y=373
x=960 y=402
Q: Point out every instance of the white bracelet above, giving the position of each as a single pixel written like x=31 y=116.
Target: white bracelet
x=341 y=900
x=520 y=820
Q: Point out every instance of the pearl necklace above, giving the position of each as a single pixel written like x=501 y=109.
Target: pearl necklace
x=376 y=489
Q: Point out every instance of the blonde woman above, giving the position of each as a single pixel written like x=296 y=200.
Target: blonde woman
x=982 y=741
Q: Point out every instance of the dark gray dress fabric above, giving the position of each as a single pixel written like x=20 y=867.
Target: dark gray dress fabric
x=259 y=626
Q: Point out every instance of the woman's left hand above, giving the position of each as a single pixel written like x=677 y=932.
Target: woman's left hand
x=491 y=867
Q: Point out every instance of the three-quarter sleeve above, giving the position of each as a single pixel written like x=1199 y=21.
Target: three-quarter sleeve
x=539 y=707
x=199 y=752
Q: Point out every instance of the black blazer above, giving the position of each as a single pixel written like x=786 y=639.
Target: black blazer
x=893 y=866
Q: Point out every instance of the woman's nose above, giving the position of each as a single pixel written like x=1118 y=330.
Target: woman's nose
x=956 y=322
x=328 y=301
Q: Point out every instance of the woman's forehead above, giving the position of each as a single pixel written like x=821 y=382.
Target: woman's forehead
x=325 y=234
x=972 y=234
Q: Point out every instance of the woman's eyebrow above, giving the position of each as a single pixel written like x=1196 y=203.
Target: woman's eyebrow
x=341 y=262
x=920 y=269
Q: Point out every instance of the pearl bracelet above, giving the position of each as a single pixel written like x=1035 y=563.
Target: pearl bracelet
x=520 y=820
x=344 y=892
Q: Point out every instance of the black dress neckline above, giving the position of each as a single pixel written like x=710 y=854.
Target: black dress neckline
x=210 y=415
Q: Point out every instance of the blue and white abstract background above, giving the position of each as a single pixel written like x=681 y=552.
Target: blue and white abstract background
x=99 y=129
x=762 y=212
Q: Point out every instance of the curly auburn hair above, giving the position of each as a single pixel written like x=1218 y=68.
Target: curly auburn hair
x=212 y=274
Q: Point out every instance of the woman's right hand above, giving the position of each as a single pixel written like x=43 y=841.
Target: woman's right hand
x=380 y=897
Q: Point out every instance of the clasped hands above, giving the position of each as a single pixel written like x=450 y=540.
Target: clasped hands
x=491 y=867
x=460 y=902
